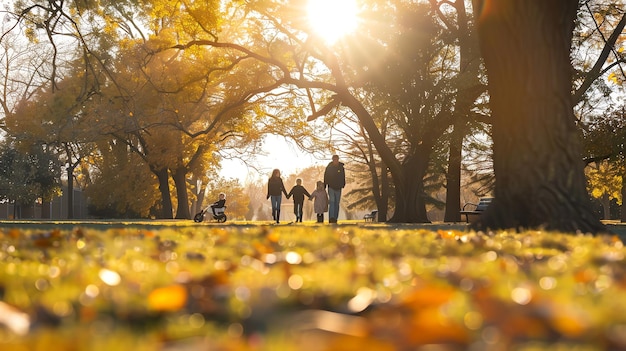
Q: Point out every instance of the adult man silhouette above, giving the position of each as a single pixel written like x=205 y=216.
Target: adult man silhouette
x=335 y=180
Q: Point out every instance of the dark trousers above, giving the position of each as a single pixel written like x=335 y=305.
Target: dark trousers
x=297 y=210
x=276 y=215
x=320 y=218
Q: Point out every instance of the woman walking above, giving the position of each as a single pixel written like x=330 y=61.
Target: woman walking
x=275 y=189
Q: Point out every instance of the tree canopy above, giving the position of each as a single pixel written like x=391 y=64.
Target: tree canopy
x=157 y=91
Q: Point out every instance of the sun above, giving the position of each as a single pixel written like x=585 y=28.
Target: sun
x=332 y=19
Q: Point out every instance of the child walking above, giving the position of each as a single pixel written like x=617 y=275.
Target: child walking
x=298 y=192
x=320 y=205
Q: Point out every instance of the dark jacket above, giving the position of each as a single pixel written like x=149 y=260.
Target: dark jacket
x=219 y=204
x=335 y=176
x=298 y=192
x=275 y=186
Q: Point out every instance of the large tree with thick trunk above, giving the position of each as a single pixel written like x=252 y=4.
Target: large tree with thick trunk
x=537 y=150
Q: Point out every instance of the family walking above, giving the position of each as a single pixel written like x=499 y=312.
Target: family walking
x=323 y=200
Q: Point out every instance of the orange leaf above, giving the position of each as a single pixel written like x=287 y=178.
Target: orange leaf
x=14 y=233
x=446 y=234
x=87 y=314
x=568 y=324
x=516 y=324
x=429 y=296
x=262 y=248
x=428 y=326
x=56 y=233
x=169 y=298
x=352 y=343
x=148 y=234
x=449 y=234
x=273 y=237
x=584 y=276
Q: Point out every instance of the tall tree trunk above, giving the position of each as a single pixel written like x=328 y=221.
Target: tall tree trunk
x=401 y=211
x=376 y=177
x=70 y=191
x=453 y=176
x=469 y=88
x=606 y=206
x=45 y=209
x=199 y=189
x=180 y=180
x=164 y=188
x=410 y=201
x=380 y=182
x=422 y=157
x=28 y=211
x=70 y=181
x=623 y=207
x=196 y=206
x=377 y=181
x=537 y=152
x=383 y=206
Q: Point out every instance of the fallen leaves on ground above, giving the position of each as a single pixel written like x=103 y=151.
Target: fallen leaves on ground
x=310 y=288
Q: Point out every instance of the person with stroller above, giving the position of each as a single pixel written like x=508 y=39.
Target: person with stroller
x=320 y=205
x=220 y=203
x=298 y=192
x=217 y=208
x=275 y=189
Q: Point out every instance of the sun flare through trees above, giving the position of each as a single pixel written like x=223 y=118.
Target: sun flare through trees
x=332 y=19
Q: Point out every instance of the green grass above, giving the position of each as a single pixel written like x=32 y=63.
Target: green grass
x=178 y=286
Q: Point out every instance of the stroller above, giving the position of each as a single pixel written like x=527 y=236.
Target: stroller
x=218 y=216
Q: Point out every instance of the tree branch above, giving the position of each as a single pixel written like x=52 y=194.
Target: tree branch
x=334 y=102
x=595 y=72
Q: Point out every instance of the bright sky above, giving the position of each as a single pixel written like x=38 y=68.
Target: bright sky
x=280 y=154
x=331 y=19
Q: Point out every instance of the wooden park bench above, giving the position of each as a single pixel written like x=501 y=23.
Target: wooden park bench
x=370 y=216
x=482 y=205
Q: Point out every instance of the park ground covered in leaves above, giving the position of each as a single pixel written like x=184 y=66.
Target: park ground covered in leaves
x=309 y=287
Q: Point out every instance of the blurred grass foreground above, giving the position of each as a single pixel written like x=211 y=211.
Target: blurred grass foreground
x=308 y=287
